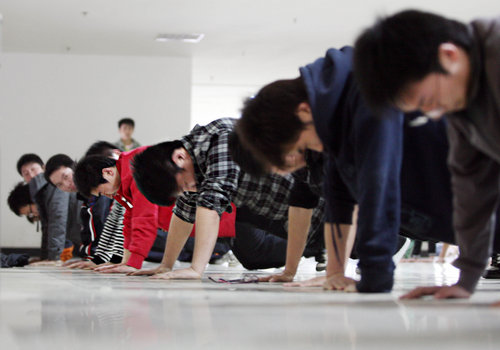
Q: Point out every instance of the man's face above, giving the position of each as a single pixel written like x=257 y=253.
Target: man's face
x=186 y=180
x=30 y=170
x=295 y=156
x=62 y=178
x=30 y=211
x=126 y=131
x=439 y=93
x=107 y=189
x=435 y=95
x=111 y=187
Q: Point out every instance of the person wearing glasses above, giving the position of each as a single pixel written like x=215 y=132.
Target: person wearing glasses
x=416 y=60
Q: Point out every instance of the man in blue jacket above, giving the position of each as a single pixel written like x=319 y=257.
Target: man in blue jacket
x=323 y=111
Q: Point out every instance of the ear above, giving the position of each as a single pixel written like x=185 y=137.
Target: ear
x=304 y=112
x=179 y=157
x=108 y=173
x=304 y=107
x=449 y=57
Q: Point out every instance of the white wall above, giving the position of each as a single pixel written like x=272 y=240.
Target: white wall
x=62 y=103
x=210 y=102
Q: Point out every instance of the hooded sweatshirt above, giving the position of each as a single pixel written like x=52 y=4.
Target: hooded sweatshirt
x=142 y=218
x=362 y=164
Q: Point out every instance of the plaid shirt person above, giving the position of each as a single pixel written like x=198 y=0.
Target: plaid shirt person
x=220 y=181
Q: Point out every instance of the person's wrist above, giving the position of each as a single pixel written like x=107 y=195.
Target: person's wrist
x=289 y=271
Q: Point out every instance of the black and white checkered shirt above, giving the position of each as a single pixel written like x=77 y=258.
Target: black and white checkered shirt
x=220 y=181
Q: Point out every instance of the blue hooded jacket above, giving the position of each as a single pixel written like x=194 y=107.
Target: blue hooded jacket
x=362 y=164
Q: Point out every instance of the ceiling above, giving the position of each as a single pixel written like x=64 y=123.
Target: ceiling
x=246 y=42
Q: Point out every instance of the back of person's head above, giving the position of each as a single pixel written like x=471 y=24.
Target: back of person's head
x=244 y=158
x=56 y=162
x=19 y=197
x=154 y=173
x=400 y=50
x=102 y=148
x=88 y=173
x=269 y=124
x=127 y=121
x=26 y=159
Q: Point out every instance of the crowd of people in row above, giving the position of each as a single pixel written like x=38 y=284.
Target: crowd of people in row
x=341 y=157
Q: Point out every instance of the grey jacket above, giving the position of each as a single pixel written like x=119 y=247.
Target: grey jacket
x=59 y=216
x=474 y=157
x=121 y=146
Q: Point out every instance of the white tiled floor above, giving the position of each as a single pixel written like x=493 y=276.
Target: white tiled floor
x=54 y=308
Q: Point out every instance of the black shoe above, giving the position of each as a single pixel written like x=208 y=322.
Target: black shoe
x=493 y=272
x=320 y=261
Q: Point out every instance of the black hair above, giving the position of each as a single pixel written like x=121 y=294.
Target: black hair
x=269 y=124
x=102 y=148
x=402 y=49
x=88 y=173
x=128 y=121
x=19 y=197
x=26 y=159
x=154 y=173
x=55 y=162
x=244 y=158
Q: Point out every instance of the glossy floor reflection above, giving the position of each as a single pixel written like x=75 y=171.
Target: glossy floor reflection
x=55 y=308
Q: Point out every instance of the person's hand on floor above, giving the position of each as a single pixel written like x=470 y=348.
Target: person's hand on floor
x=118 y=268
x=285 y=276
x=182 y=274
x=150 y=272
x=340 y=282
x=439 y=292
x=313 y=282
x=83 y=264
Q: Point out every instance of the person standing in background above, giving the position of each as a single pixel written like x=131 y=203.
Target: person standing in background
x=126 y=129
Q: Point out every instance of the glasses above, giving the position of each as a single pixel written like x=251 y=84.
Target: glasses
x=249 y=278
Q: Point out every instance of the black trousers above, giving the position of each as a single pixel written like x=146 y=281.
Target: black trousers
x=257 y=248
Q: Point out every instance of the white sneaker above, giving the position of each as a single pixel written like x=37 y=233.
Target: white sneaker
x=396 y=258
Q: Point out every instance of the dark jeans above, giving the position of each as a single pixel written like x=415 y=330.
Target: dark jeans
x=420 y=226
x=256 y=248
x=186 y=254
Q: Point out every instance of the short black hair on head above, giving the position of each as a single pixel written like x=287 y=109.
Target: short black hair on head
x=88 y=173
x=402 y=49
x=57 y=161
x=269 y=124
x=128 y=121
x=26 y=159
x=102 y=148
x=244 y=158
x=19 y=197
x=154 y=173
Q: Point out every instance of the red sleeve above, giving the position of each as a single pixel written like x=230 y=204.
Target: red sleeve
x=226 y=226
x=144 y=224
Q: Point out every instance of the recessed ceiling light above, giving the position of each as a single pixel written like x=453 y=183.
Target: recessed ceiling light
x=187 y=38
